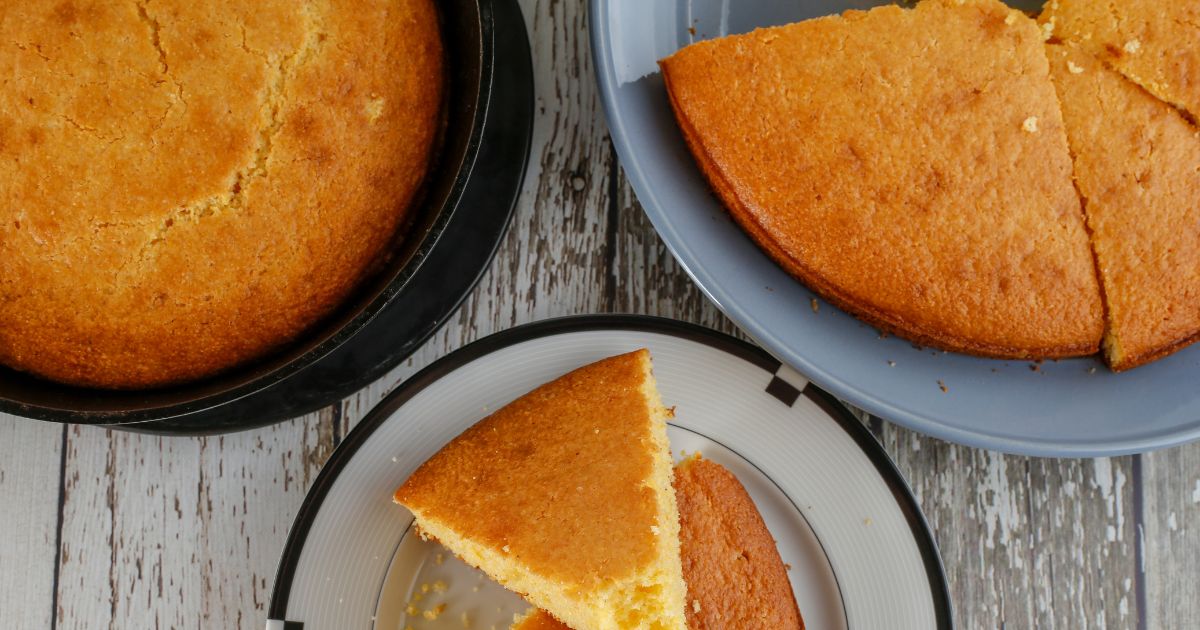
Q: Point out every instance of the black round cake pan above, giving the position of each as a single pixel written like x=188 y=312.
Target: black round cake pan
x=464 y=214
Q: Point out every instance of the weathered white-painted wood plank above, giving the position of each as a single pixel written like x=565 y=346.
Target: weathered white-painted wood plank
x=186 y=532
x=30 y=469
x=553 y=261
x=1027 y=542
x=645 y=276
x=180 y=532
x=1171 y=494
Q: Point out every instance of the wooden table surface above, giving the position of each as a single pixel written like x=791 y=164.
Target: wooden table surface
x=104 y=529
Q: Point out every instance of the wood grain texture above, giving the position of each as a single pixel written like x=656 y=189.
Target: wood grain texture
x=162 y=532
x=1171 y=531
x=30 y=466
x=180 y=532
x=1026 y=542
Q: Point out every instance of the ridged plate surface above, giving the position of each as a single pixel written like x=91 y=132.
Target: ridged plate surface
x=860 y=553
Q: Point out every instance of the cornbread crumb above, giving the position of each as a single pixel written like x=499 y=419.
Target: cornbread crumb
x=439 y=559
x=1030 y=124
x=425 y=587
x=412 y=611
x=942 y=386
x=816 y=306
x=374 y=108
x=435 y=612
x=465 y=619
x=439 y=587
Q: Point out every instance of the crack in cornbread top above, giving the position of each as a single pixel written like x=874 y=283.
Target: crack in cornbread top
x=188 y=185
x=1150 y=42
x=1136 y=163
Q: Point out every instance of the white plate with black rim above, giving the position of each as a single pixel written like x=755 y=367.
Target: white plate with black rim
x=860 y=552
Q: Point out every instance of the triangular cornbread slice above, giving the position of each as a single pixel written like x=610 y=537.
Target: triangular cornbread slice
x=564 y=495
x=735 y=577
x=1135 y=164
x=908 y=165
x=1154 y=43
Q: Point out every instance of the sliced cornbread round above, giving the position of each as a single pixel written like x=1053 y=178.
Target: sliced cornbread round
x=1136 y=161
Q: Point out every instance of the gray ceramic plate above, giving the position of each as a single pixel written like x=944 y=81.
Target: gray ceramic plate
x=1066 y=408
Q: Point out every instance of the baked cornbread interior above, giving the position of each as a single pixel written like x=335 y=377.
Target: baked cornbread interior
x=538 y=619
x=564 y=495
x=185 y=186
x=909 y=165
x=1136 y=161
x=735 y=577
x=1154 y=43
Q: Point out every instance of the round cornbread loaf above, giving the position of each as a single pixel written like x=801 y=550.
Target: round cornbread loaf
x=185 y=186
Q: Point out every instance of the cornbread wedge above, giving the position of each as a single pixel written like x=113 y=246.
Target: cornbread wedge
x=1154 y=43
x=735 y=577
x=565 y=496
x=1136 y=161
x=908 y=165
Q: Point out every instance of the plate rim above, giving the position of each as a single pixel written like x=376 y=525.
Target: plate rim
x=342 y=455
x=604 y=63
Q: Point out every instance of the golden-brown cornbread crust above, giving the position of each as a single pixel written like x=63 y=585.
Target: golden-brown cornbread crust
x=1152 y=42
x=538 y=619
x=572 y=482
x=187 y=186
x=736 y=579
x=1135 y=164
x=900 y=182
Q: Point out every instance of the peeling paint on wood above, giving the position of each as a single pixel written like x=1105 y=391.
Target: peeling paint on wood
x=161 y=532
x=30 y=467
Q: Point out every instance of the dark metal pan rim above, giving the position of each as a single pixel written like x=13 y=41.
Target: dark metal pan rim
x=468 y=31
